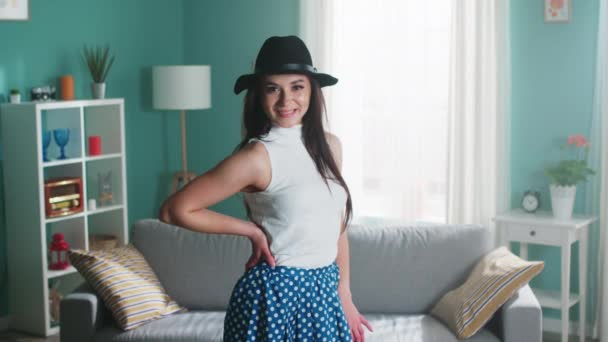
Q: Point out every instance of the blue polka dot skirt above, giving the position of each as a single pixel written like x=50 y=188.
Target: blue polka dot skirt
x=286 y=304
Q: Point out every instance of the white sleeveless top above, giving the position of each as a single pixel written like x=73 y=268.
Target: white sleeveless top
x=301 y=216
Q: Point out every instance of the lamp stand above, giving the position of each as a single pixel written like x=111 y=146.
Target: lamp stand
x=182 y=177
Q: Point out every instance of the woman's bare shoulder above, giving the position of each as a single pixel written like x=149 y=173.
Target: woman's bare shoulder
x=336 y=147
x=255 y=150
x=333 y=139
x=256 y=154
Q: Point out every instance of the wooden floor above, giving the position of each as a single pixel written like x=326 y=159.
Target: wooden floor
x=552 y=337
x=17 y=337
x=9 y=336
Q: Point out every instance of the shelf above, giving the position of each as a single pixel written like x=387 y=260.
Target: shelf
x=29 y=231
x=105 y=209
x=62 y=162
x=79 y=160
x=59 y=104
x=63 y=218
x=104 y=156
x=552 y=299
x=54 y=274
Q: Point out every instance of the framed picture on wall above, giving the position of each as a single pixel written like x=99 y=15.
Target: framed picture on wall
x=557 y=11
x=14 y=9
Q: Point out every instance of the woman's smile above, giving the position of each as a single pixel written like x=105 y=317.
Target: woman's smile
x=285 y=98
x=287 y=113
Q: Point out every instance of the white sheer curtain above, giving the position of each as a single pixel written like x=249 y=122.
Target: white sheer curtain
x=478 y=158
x=597 y=188
x=389 y=107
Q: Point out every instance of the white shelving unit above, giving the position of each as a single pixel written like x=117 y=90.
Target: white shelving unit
x=29 y=231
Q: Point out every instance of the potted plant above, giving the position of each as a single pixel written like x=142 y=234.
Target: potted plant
x=99 y=62
x=566 y=174
x=15 y=96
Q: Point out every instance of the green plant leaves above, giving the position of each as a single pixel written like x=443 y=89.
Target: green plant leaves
x=98 y=63
x=569 y=172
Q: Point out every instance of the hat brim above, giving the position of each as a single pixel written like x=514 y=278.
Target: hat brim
x=246 y=81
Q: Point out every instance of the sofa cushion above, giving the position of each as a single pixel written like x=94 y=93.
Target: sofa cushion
x=389 y=260
x=203 y=326
x=127 y=285
x=209 y=326
x=494 y=280
x=415 y=328
x=396 y=267
x=198 y=270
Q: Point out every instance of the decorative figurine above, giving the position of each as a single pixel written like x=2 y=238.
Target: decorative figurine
x=105 y=188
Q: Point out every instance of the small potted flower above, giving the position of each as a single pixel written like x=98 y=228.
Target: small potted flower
x=566 y=174
x=15 y=96
x=99 y=62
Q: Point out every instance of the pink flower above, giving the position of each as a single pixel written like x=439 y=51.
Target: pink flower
x=578 y=140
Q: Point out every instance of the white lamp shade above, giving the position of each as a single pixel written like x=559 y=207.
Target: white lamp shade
x=181 y=87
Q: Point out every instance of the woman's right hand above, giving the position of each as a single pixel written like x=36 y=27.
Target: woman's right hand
x=260 y=250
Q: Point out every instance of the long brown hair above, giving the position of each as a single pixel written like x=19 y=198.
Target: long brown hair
x=257 y=124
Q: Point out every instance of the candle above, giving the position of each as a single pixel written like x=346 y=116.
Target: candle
x=94 y=145
x=67 y=87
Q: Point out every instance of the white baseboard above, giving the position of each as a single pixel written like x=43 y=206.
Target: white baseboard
x=5 y=323
x=554 y=325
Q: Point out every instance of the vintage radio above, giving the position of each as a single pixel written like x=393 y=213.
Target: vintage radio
x=63 y=196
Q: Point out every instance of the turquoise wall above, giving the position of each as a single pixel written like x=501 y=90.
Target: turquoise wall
x=227 y=35
x=143 y=33
x=553 y=77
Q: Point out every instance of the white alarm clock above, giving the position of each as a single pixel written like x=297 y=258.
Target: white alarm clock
x=530 y=202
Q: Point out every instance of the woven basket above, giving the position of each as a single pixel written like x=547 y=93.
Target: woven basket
x=102 y=241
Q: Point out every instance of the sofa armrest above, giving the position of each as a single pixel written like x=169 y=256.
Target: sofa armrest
x=519 y=319
x=82 y=313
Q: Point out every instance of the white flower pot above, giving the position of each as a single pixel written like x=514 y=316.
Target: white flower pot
x=98 y=90
x=16 y=98
x=562 y=200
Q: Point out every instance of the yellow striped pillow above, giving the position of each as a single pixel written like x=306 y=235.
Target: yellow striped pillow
x=495 y=278
x=126 y=283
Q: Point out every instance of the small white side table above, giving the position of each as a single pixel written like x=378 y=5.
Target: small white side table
x=542 y=228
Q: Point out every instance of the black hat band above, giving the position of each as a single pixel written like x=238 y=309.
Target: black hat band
x=287 y=67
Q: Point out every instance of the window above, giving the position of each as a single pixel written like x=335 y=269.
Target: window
x=390 y=105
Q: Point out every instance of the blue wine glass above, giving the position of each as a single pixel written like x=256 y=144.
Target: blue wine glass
x=46 y=141
x=62 y=135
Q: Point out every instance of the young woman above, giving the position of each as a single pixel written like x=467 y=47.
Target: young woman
x=296 y=284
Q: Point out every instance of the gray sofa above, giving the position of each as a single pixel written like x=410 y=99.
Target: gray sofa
x=398 y=272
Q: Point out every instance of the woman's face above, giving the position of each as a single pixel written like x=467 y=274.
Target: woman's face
x=285 y=98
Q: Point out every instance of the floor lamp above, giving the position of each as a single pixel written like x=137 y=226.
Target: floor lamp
x=181 y=87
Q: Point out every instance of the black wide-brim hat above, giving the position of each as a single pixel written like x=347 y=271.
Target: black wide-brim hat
x=283 y=55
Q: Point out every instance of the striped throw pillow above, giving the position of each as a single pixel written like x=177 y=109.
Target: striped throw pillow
x=126 y=283
x=495 y=278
